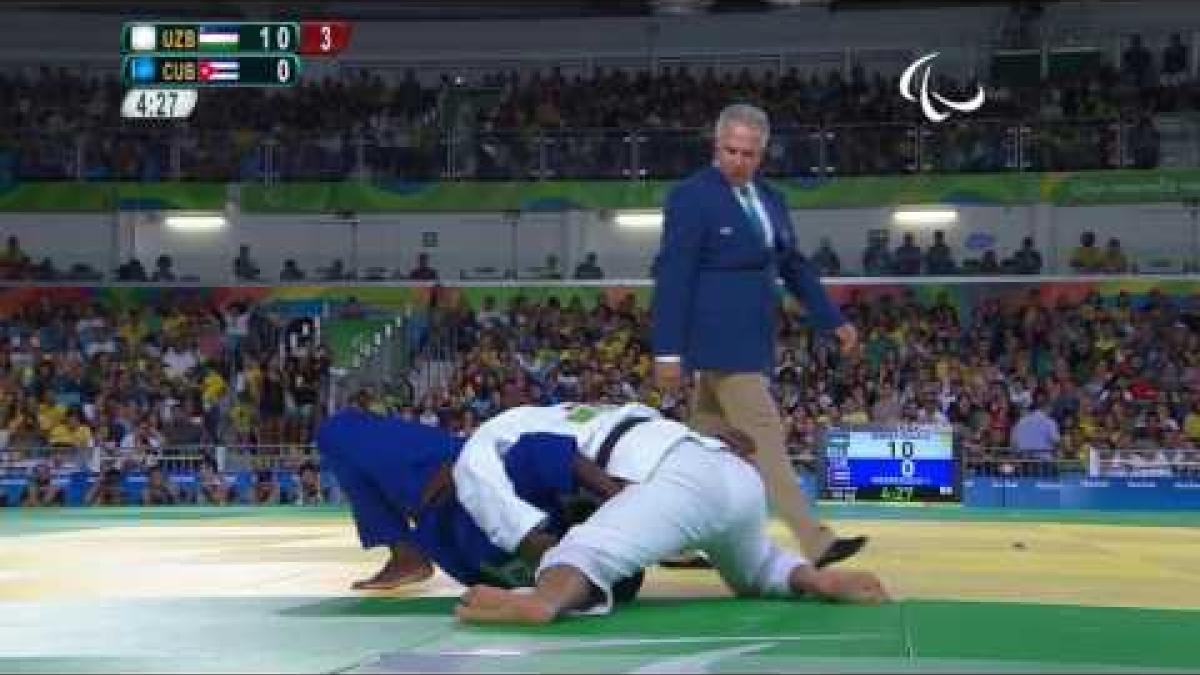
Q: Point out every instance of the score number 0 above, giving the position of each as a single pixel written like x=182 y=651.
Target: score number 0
x=908 y=468
x=283 y=41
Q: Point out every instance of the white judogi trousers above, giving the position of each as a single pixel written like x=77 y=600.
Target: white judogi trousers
x=697 y=498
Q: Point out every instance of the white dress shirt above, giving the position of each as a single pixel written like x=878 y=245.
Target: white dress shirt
x=754 y=203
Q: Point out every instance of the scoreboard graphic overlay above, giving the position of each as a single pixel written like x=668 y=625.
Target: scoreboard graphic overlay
x=905 y=463
x=165 y=64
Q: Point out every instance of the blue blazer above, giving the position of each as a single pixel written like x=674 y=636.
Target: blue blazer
x=715 y=280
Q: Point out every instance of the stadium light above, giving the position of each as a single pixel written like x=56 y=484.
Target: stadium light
x=195 y=222
x=924 y=216
x=639 y=220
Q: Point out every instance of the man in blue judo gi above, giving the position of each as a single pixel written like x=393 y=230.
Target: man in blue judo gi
x=398 y=478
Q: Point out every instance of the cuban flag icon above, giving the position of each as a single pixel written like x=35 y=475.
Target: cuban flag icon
x=218 y=71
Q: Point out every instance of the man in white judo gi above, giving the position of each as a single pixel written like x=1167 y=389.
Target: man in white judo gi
x=681 y=490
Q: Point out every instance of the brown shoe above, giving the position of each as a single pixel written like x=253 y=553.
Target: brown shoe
x=841 y=549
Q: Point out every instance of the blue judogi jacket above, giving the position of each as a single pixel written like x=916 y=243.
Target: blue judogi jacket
x=383 y=464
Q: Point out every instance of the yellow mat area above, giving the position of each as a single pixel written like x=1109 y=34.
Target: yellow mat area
x=1081 y=564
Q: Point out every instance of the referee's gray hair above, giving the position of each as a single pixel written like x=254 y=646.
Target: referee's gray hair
x=744 y=114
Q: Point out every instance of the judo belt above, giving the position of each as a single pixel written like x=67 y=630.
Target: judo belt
x=614 y=436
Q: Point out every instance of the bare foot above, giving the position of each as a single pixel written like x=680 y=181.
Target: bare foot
x=394 y=575
x=488 y=604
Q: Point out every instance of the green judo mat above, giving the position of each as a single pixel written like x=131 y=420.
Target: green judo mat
x=131 y=625
x=706 y=635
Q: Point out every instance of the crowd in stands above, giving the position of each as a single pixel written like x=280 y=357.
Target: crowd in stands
x=906 y=259
x=85 y=385
x=1019 y=378
x=64 y=125
x=939 y=259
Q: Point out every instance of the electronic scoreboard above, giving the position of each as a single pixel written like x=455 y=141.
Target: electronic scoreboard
x=164 y=64
x=906 y=463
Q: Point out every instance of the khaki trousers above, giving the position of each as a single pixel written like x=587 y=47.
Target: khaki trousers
x=743 y=401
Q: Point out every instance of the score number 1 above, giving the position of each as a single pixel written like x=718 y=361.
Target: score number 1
x=908 y=468
x=283 y=38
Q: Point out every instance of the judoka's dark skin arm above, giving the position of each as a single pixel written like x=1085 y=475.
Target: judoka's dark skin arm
x=587 y=473
x=408 y=564
x=592 y=478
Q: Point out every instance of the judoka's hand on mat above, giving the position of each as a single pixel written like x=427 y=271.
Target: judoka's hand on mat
x=839 y=585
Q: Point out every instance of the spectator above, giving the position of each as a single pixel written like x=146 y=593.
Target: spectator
x=266 y=488
x=939 y=260
x=588 y=269
x=13 y=260
x=158 y=490
x=550 y=270
x=423 y=271
x=1191 y=422
x=163 y=270
x=132 y=270
x=72 y=436
x=876 y=259
x=41 y=489
x=1114 y=261
x=1036 y=434
x=309 y=491
x=1087 y=258
x=1027 y=259
x=143 y=444
x=907 y=257
x=272 y=405
x=399 y=127
x=335 y=272
x=244 y=267
x=179 y=360
x=186 y=429
x=108 y=489
x=45 y=271
x=290 y=271
x=826 y=261
x=1174 y=61
x=1137 y=62
x=212 y=487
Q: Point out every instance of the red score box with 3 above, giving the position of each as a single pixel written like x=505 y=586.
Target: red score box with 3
x=324 y=38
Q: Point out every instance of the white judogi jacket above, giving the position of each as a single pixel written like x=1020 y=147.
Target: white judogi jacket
x=488 y=495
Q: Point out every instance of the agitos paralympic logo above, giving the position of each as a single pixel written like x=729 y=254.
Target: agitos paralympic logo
x=932 y=113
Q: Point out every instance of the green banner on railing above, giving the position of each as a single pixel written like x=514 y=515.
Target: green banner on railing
x=559 y=195
x=1120 y=187
x=1063 y=188
x=453 y=196
x=69 y=196
x=1077 y=188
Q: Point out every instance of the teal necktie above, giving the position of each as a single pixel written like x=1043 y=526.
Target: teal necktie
x=752 y=213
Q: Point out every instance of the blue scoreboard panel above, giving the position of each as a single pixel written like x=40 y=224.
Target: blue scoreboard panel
x=907 y=463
